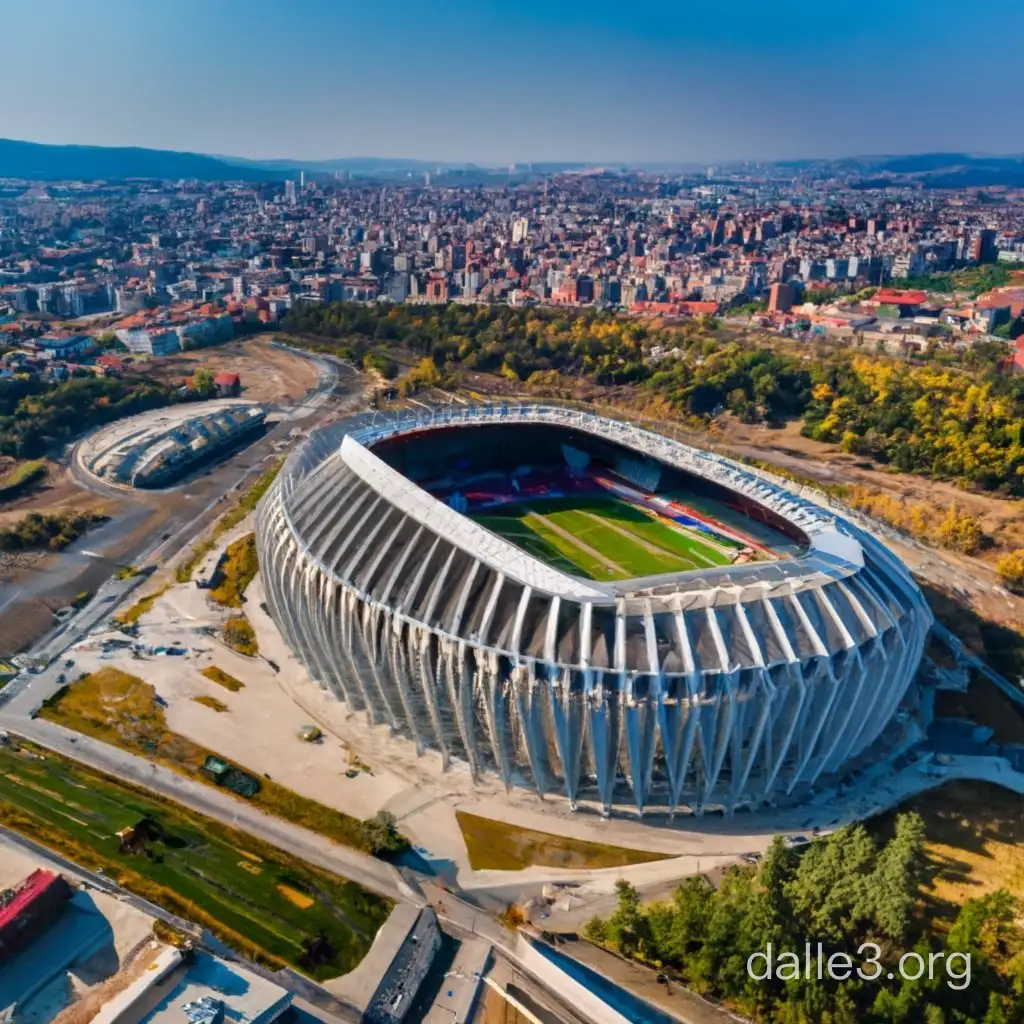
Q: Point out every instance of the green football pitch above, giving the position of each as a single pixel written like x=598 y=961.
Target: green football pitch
x=259 y=900
x=602 y=538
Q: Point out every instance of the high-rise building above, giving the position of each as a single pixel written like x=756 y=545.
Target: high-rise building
x=836 y=269
x=289 y=192
x=302 y=179
x=781 y=297
x=987 y=252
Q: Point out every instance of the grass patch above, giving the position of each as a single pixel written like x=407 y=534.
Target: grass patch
x=602 y=538
x=237 y=571
x=239 y=635
x=245 y=504
x=191 y=865
x=122 y=710
x=183 y=572
x=975 y=843
x=145 y=604
x=212 y=703
x=20 y=478
x=496 y=846
x=221 y=678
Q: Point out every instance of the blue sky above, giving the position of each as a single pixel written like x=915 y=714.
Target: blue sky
x=595 y=80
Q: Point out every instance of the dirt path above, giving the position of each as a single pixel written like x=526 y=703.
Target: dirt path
x=576 y=542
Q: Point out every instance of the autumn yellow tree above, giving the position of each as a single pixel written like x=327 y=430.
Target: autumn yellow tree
x=959 y=531
x=1011 y=570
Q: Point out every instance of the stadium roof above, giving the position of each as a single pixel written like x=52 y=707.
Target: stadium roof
x=833 y=552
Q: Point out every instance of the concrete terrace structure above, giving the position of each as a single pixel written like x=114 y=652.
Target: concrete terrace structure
x=710 y=688
x=155 y=448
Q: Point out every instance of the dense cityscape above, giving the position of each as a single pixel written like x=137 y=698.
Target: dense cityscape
x=165 y=267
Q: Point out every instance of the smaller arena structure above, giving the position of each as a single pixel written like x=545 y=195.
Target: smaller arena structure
x=154 y=449
x=585 y=607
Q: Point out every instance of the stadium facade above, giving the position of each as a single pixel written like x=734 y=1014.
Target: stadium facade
x=709 y=688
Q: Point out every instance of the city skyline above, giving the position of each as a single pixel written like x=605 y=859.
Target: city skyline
x=450 y=85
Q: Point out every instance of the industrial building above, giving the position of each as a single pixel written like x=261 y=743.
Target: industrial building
x=29 y=909
x=711 y=688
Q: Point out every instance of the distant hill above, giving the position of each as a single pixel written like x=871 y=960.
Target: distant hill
x=40 y=162
x=932 y=170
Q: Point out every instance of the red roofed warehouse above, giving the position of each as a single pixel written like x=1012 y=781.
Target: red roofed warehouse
x=27 y=910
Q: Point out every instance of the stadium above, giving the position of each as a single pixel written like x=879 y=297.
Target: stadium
x=586 y=608
x=156 y=448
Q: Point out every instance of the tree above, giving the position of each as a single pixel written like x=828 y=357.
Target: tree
x=959 y=531
x=202 y=383
x=626 y=928
x=897 y=877
x=831 y=892
x=381 y=835
x=995 y=1014
x=596 y=930
x=1011 y=570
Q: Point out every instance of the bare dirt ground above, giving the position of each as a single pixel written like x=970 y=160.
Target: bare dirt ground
x=268 y=374
x=57 y=493
x=1002 y=519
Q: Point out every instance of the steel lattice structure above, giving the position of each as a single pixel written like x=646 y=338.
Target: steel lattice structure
x=706 y=688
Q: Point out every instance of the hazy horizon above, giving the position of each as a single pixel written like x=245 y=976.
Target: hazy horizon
x=443 y=160
x=538 y=83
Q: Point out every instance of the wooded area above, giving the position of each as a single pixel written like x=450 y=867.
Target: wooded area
x=945 y=415
x=843 y=891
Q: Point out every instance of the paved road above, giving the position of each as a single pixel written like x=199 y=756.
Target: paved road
x=76 y=626
x=369 y=872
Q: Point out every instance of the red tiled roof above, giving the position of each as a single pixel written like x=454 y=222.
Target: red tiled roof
x=898 y=297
